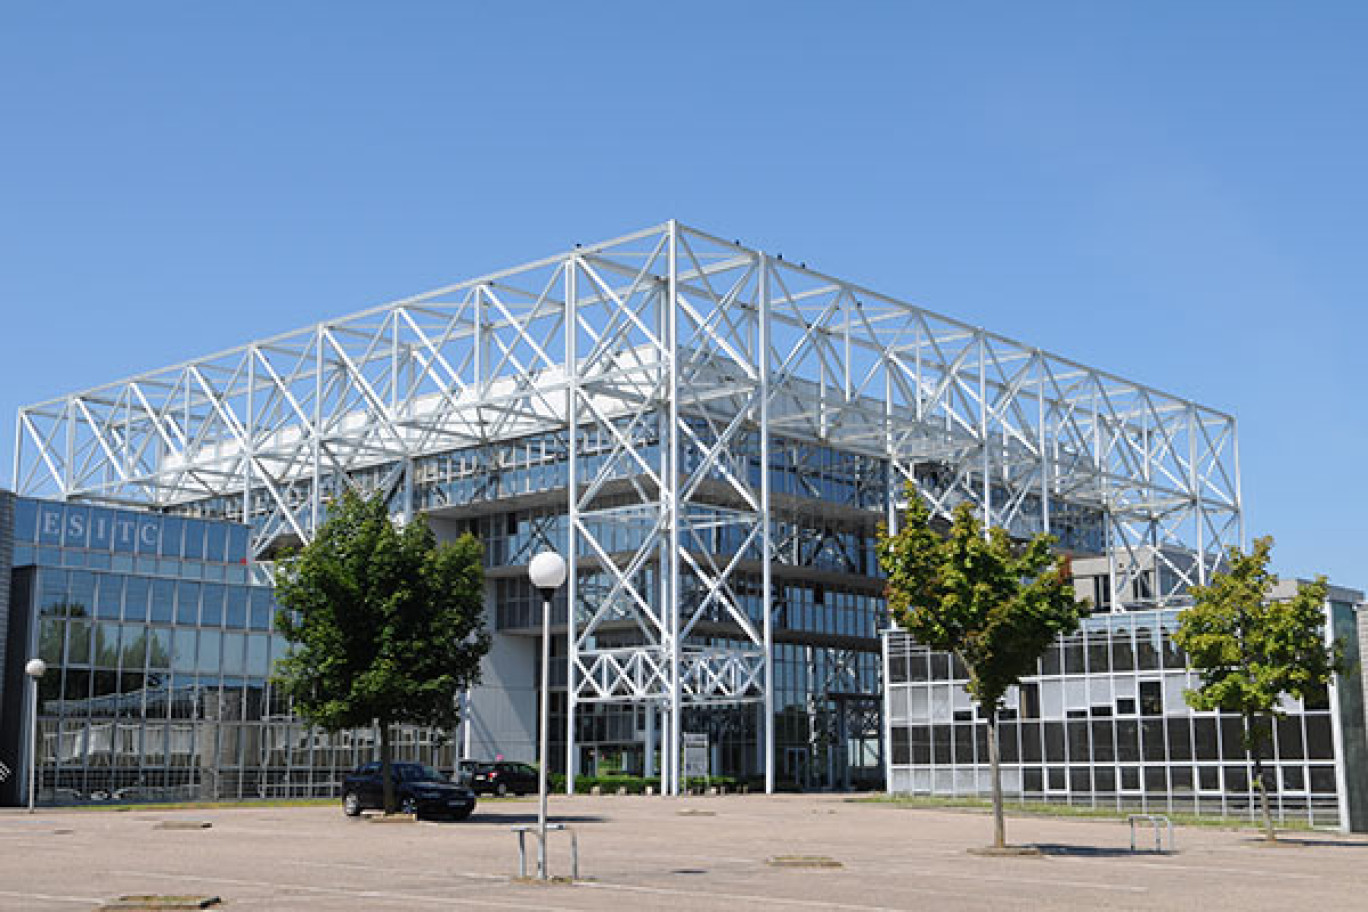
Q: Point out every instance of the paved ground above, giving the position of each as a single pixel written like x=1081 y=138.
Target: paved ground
x=655 y=853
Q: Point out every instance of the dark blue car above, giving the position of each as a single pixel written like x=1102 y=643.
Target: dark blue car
x=418 y=789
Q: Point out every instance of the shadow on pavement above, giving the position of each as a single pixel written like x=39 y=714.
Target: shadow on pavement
x=519 y=819
x=1306 y=842
x=1077 y=851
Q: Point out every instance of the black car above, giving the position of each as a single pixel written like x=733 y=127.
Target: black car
x=419 y=790
x=502 y=777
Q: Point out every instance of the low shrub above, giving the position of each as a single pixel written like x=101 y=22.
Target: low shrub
x=636 y=785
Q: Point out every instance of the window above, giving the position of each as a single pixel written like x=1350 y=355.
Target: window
x=1151 y=698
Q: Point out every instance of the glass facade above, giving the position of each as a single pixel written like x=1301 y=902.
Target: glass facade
x=1104 y=724
x=159 y=653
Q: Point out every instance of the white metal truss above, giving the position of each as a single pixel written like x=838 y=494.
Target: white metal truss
x=669 y=362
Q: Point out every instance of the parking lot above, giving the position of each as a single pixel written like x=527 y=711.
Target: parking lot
x=700 y=853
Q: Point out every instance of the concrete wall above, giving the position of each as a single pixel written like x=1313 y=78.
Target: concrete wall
x=503 y=709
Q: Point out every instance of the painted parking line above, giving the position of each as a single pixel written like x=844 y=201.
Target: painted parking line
x=388 y=870
x=752 y=899
x=51 y=897
x=343 y=893
x=1199 y=869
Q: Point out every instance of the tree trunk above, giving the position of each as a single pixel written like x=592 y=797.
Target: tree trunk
x=1254 y=744
x=999 y=823
x=386 y=779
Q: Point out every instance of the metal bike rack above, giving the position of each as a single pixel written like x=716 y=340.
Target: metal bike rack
x=1157 y=821
x=522 y=832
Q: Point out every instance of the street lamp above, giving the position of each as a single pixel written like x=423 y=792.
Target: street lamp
x=547 y=573
x=35 y=669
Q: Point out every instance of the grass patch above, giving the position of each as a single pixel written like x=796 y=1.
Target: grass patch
x=1034 y=809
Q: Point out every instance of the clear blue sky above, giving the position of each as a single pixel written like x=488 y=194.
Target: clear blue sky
x=1176 y=192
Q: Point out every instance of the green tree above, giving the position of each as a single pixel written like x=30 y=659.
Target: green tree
x=1250 y=650
x=386 y=626
x=994 y=603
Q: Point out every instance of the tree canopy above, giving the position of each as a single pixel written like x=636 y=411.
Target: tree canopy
x=994 y=603
x=385 y=625
x=1250 y=649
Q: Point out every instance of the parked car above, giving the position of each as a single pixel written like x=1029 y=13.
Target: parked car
x=503 y=777
x=465 y=771
x=418 y=789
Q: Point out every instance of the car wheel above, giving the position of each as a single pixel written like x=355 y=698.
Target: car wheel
x=501 y=789
x=462 y=815
x=409 y=806
x=351 y=804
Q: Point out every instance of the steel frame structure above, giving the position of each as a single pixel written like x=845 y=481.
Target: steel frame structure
x=700 y=346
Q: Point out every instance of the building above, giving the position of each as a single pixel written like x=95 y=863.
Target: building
x=711 y=435
x=1104 y=724
x=158 y=647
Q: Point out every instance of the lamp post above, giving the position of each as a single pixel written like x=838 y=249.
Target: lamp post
x=35 y=669
x=547 y=573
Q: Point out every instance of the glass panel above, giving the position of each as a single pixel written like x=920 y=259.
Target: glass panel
x=258 y=655
x=1146 y=647
x=1073 y=656
x=81 y=594
x=158 y=648
x=194 y=540
x=1127 y=741
x=135 y=598
x=77 y=527
x=107 y=635
x=1054 y=742
x=172 y=530
x=216 y=542
x=237 y=544
x=108 y=595
x=149 y=534
x=211 y=610
x=25 y=519
x=1232 y=738
x=1123 y=653
x=1099 y=658
x=183 y=650
x=1205 y=745
x=234 y=658
x=1104 y=750
x=133 y=654
x=78 y=642
x=262 y=608
x=52 y=632
x=101 y=529
x=187 y=603
x=50 y=524
x=1319 y=742
x=163 y=601
x=1151 y=698
x=1179 y=739
x=1289 y=734
x=209 y=658
x=235 y=611
x=76 y=687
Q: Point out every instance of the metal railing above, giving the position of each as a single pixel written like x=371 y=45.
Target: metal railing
x=522 y=832
x=1158 y=821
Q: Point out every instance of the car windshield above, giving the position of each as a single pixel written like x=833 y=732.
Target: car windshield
x=425 y=774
